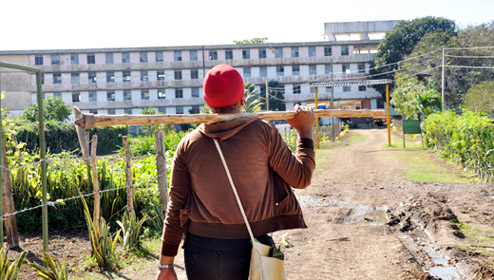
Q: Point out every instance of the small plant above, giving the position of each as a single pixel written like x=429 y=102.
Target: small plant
x=131 y=230
x=103 y=246
x=10 y=271
x=51 y=269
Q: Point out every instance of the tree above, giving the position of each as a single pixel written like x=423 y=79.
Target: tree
x=54 y=107
x=252 y=41
x=253 y=101
x=276 y=96
x=481 y=97
x=150 y=129
x=401 y=41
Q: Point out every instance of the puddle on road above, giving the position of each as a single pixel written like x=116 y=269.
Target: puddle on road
x=418 y=242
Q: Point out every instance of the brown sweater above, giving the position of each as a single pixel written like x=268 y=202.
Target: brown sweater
x=257 y=157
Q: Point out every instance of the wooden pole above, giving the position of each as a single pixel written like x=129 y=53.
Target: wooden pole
x=94 y=169
x=388 y=121
x=128 y=176
x=162 y=172
x=88 y=121
x=8 y=203
x=81 y=135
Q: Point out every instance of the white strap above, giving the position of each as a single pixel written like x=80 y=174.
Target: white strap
x=234 y=189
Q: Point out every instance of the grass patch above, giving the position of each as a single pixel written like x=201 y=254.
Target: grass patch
x=478 y=240
x=322 y=160
x=356 y=138
x=422 y=165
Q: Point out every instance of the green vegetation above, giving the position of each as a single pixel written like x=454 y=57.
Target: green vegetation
x=253 y=101
x=51 y=269
x=478 y=240
x=10 y=271
x=468 y=138
x=252 y=41
x=131 y=231
x=54 y=107
x=481 y=97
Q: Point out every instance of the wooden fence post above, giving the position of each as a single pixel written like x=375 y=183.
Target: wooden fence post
x=94 y=169
x=159 y=142
x=128 y=175
x=8 y=203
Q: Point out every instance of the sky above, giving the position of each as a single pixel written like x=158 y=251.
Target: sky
x=75 y=24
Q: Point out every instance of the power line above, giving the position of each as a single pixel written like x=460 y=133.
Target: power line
x=468 y=66
x=470 y=56
x=470 y=48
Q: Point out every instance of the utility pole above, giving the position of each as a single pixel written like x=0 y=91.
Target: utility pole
x=332 y=103
x=442 y=83
x=267 y=95
x=203 y=64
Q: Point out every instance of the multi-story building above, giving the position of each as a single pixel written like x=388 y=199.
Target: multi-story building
x=127 y=80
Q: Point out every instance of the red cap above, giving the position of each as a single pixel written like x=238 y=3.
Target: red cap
x=223 y=86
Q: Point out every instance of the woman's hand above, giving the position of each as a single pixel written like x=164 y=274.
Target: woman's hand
x=166 y=274
x=303 y=121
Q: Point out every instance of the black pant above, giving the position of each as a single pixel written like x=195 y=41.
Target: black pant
x=212 y=258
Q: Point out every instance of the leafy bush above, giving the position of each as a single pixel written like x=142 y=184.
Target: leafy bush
x=468 y=138
x=131 y=230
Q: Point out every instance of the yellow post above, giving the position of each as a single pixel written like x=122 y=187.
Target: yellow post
x=387 y=113
x=317 y=124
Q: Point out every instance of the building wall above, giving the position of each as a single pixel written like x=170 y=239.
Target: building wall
x=170 y=78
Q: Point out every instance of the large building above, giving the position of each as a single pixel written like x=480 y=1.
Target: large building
x=127 y=80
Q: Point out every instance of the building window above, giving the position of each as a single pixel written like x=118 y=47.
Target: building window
x=213 y=55
x=228 y=54
x=312 y=51
x=294 y=52
x=327 y=69
x=194 y=110
x=93 y=111
x=127 y=96
x=362 y=88
x=177 y=56
x=162 y=110
x=74 y=58
x=125 y=58
x=159 y=56
x=263 y=71
x=74 y=78
x=144 y=76
x=328 y=51
x=179 y=110
x=93 y=96
x=262 y=53
x=57 y=94
x=110 y=96
x=280 y=71
x=109 y=58
x=361 y=67
x=143 y=57
x=91 y=59
x=144 y=94
x=55 y=59
x=247 y=72
x=195 y=92
x=296 y=89
x=312 y=90
x=329 y=89
x=295 y=70
x=345 y=68
x=179 y=93
x=194 y=74
x=160 y=75
x=110 y=77
x=193 y=55
x=246 y=54
x=112 y=112
x=42 y=79
x=178 y=74
x=57 y=78
x=278 y=52
x=128 y=111
x=76 y=97
x=126 y=76
x=91 y=77
x=38 y=60
x=347 y=89
x=344 y=50
x=161 y=94
x=312 y=70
